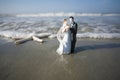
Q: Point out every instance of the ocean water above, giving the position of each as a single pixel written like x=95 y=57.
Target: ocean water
x=103 y=26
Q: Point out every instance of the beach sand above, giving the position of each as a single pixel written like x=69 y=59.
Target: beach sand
x=92 y=60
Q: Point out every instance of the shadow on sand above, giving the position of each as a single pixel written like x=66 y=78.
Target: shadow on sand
x=94 y=47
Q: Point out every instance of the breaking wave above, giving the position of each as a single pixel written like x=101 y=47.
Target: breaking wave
x=61 y=14
x=90 y=25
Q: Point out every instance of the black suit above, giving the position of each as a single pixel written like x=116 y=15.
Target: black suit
x=73 y=30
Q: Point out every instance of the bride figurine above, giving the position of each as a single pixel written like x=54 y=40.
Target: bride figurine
x=64 y=38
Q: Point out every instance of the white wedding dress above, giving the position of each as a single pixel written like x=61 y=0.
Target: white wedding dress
x=65 y=41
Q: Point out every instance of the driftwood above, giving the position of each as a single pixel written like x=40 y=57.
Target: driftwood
x=23 y=40
x=43 y=36
x=28 y=39
x=34 y=37
x=52 y=36
x=37 y=39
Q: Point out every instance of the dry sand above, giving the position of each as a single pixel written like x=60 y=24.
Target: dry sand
x=93 y=60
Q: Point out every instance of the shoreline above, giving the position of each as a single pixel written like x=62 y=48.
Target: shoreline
x=93 y=60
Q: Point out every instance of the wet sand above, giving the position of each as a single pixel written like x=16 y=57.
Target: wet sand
x=93 y=60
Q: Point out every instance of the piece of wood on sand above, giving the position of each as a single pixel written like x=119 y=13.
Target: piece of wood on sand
x=23 y=40
x=52 y=36
x=37 y=39
x=34 y=37
x=43 y=35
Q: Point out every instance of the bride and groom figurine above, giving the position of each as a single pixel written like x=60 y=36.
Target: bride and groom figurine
x=67 y=37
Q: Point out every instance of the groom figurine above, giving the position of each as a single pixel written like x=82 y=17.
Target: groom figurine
x=73 y=29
